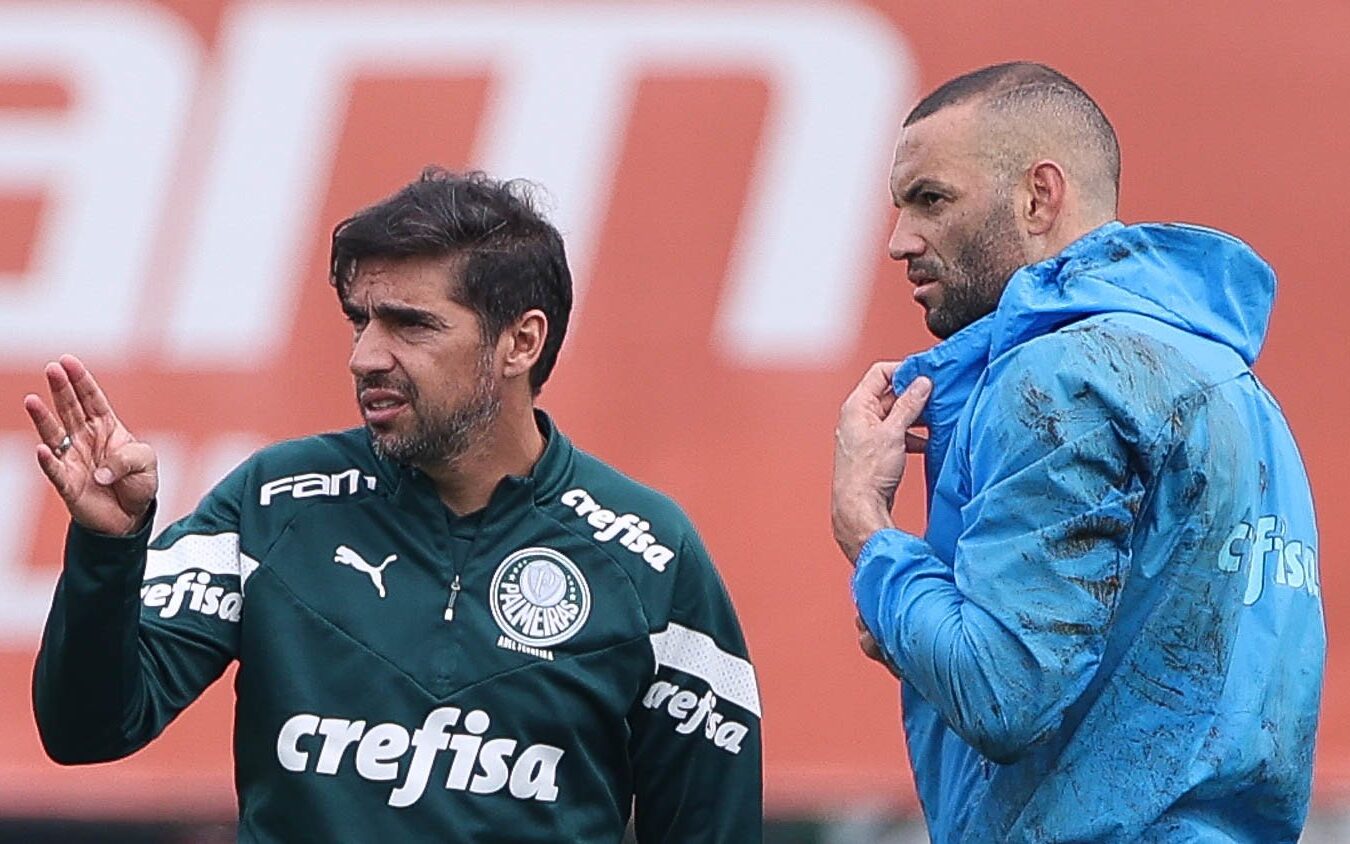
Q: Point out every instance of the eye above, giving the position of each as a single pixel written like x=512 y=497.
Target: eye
x=415 y=325
x=930 y=199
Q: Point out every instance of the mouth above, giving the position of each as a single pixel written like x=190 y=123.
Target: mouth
x=380 y=407
x=924 y=286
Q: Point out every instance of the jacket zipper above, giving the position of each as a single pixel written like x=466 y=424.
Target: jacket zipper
x=450 y=604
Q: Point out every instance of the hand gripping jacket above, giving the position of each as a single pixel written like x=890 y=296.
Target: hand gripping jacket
x=528 y=674
x=1112 y=629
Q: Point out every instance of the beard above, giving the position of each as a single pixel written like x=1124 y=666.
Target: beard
x=982 y=264
x=438 y=435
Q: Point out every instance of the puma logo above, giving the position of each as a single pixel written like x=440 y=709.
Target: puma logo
x=348 y=557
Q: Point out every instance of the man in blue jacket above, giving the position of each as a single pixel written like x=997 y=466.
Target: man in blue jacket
x=1112 y=628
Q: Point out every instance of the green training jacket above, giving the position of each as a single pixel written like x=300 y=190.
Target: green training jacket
x=535 y=672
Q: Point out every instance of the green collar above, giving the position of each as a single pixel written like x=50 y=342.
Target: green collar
x=410 y=487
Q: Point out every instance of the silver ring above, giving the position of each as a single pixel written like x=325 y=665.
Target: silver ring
x=63 y=446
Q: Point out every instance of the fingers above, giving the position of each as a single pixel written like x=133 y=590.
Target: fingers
x=53 y=468
x=91 y=398
x=50 y=433
x=132 y=458
x=870 y=648
x=876 y=384
x=877 y=379
x=64 y=400
x=909 y=404
x=866 y=641
x=48 y=427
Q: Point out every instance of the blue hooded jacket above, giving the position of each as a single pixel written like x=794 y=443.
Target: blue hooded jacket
x=1112 y=629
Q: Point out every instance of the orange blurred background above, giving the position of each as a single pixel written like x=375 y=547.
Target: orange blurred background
x=170 y=171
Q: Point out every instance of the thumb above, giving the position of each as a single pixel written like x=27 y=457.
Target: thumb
x=130 y=459
x=909 y=404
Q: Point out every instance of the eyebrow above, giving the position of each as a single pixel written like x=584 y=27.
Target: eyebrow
x=922 y=184
x=389 y=312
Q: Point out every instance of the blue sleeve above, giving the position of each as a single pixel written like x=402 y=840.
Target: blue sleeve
x=1007 y=635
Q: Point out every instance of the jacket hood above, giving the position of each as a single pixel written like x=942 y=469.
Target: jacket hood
x=1197 y=279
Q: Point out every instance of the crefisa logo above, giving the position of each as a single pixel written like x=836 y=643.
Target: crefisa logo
x=539 y=598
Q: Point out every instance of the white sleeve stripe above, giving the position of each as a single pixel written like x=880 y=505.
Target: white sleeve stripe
x=693 y=652
x=216 y=554
x=247 y=565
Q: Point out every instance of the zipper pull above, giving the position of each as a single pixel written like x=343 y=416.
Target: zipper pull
x=450 y=605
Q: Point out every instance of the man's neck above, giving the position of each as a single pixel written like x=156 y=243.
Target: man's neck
x=511 y=447
x=1064 y=235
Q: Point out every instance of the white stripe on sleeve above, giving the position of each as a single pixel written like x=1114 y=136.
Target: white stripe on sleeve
x=688 y=650
x=216 y=554
x=247 y=566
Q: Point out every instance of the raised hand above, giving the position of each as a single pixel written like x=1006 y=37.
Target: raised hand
x=876 y=429
x=105 y=476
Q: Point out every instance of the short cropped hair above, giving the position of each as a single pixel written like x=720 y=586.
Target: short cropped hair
x=511 y=259
x=1041 y=95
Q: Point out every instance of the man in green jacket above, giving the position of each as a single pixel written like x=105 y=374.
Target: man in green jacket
x=449 y=623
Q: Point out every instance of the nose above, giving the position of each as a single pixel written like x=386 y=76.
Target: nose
x=905 y=242
x=370 y=352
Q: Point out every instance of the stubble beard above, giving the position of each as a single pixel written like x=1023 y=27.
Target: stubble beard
x=444 y=437
x=979 y=272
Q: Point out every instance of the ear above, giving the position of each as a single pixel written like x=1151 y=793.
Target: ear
x=522 y=342
x=1046 y=187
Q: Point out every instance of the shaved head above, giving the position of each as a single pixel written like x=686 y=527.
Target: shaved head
x=1031 y=112
x=997 y=169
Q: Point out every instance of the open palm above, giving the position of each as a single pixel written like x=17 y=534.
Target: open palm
x=105 y=476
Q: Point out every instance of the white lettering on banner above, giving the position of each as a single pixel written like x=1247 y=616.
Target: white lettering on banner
x=561 y=71
x=103 y=167
x=266 y=130
x=476 y=765
x=27 y=590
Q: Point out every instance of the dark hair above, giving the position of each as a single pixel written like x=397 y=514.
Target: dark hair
x=512 y=258
x=1013 y=85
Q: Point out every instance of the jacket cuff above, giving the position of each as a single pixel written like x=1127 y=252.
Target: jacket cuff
x=102 y=553
x=881 y=558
